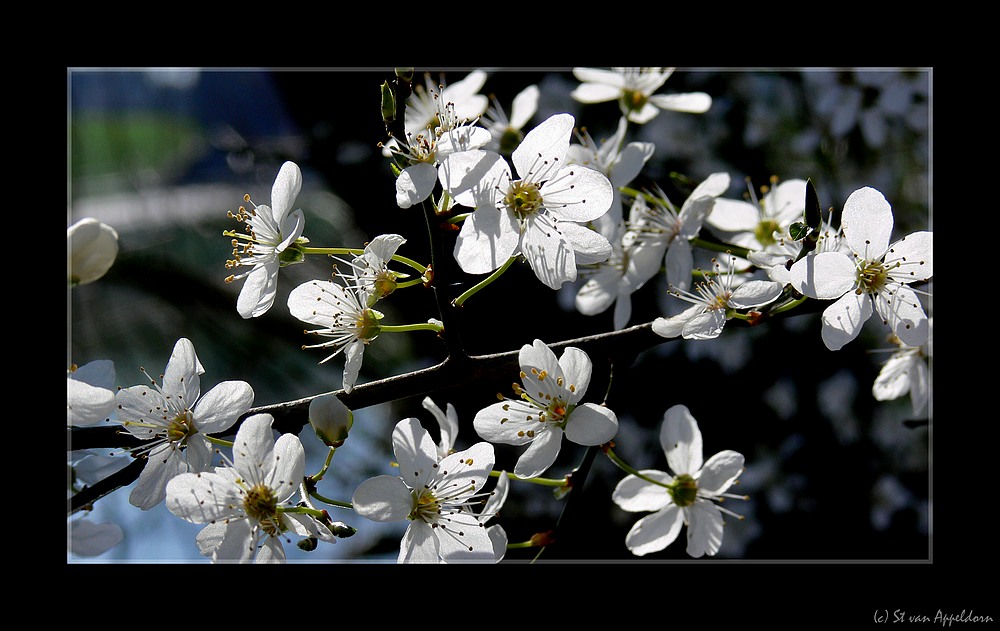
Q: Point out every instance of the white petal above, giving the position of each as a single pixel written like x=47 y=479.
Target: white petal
x=755 y=293
x=578 y=194
x=913 y=255
x=488 y=238
x=680 y=438
x=893 y=380
x=705 y=326
x=271 y=551
x=253 y=448
x=471 y=176
x=202 y=498
x=540 y=454
x=536 y=358
x=541 y=152
x=87 y=405
x=693 y=102
x=548 y=253
x=842 y=321
x=468 y=468
x=499 y=425
x=286 y=188
x=90 y=539
x=823 y=276
x=704 y=533
x=181 y=379
x=598 y=292
x=291 y=229
x=163 y=464
x=415 y=452
x=595 y=93
x=418 y=545
x=680 y=263
x=384 y=246
x=415 y=184
x=447 y=422
x=588 y=246
x=867 y=223
x=786 y=202
x=222 y=405
x=902 y=311
x=600 y=75
x=674 y=325
x=576 y=371
x=733 y=215
x=720 y=471
x=310 y=301
x=524 y=106
x=634 y=494
x=465 y=539
x=259 y=290
x=237 y=543
x=289 y=467
x=655 y=532
x=354 y=354
x=591 y=424
x=383 y=498
x=630 y=162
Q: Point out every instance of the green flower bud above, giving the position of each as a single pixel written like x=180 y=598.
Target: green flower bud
x=330 y=419
x=308 y=544
x=388 y=103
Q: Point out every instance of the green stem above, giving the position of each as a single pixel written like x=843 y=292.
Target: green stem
x=788 y=306
x=524 y=544
x=326 y=465
x=489 y=279
x=542 y=481
x=218 y=441
x=627 y=469
x=359 y=251
x=332 y=502
x=420 y=326
x=721 y=247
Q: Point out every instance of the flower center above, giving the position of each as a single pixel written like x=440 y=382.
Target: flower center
x=368 y=326
x=261 y=505
x=426 y=507
x=385 y=284
x=683 y=490
x=633 y=100
x=872 y=277
x=764 y=232
x=181 y=427
x=523 y=198
x=509 y=141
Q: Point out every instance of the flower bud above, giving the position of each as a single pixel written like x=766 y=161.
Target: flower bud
x=93 y=247
x=330 y=419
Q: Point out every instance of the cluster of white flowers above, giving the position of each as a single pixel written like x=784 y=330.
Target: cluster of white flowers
x=519 y=193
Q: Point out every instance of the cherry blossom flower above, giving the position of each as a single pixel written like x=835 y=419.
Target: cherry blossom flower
x=539 y=215
x=873 y=277
x=690 y=495
x=436 y=496
x=92 y=249
x=906 y=372
x=548 y=408
x=634 y=89
x=369 y=275
x=343 y=315
x=758 y=225
x=423 y=152
x=667 y=231
x=507 y=133
x=713 y=304
x=266 y=246
x=422 y=108
x=248 y=504
x=175 y=418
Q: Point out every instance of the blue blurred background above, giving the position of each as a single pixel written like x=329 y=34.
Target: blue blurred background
x=163 y=154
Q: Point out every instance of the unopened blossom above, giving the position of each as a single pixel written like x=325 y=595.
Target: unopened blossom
x=330 y=419
x=507 y=133
x=906 y=372
x=343 y=316
x=540 y=214
x=422 y=107
x=174 y=418
x=439 y=497
x=93 y=248
x=634 y=89
x=90 y=396
x=690 y=494
x=615 y=158
x=873 y=277
x=666 y=231
x=713 y=302
x=248 y=504
x=548 y=407
x=266 y=244
x=421 y=154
